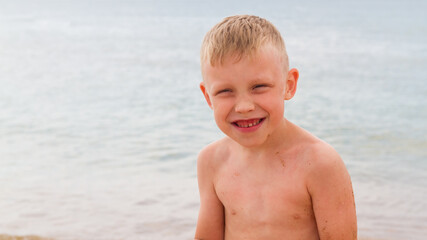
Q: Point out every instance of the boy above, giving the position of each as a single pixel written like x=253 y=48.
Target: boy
x=268 y=178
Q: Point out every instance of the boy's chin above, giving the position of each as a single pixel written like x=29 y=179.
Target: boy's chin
x=248 y=142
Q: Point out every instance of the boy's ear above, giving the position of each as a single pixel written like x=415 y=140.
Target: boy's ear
x=291 y=83
x=205 y=93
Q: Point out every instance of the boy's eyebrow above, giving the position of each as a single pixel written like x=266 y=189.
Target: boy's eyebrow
x=217 y=86
x=255 y=80
x=260 y=79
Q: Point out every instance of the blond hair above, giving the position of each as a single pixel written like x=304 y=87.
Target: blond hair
x=240 y=36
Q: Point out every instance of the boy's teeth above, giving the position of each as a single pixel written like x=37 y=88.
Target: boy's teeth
x=248 y=123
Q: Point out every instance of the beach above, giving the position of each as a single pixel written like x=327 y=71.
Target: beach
x=102 y=119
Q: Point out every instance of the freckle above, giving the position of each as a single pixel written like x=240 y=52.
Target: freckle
x=233 y=212
x=236 y=174
x=277 y=152
x=296 y=216
x=283 y=162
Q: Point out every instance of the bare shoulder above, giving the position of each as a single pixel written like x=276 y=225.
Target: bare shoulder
x=329 y=185
x=214 y=149
x=322 y=156
x=320 y=161
x=212 y=156
x=317 y=154
x=324 y=160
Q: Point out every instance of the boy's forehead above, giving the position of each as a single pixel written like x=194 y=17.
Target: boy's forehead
x=252 y=67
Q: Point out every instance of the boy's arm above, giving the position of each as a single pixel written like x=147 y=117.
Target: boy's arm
x=210 y=224
x=332 y=197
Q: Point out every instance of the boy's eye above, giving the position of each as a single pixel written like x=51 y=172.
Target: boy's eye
x=223 y=91
x=258 y=86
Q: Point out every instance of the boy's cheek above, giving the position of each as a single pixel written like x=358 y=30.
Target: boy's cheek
x=217 y=109
x=216 y=104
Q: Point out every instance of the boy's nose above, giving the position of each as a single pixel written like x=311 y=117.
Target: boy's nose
x=244 y=105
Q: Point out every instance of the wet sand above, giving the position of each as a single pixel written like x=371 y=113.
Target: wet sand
x=28 y=237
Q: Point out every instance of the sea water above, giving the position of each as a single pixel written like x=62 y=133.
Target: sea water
x=101 y=118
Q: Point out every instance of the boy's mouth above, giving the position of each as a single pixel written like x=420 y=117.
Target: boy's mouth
x=248 y=123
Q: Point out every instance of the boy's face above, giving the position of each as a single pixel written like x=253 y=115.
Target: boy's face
x=247 y=96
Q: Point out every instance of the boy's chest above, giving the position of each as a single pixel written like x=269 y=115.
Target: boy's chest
x=263 y=197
